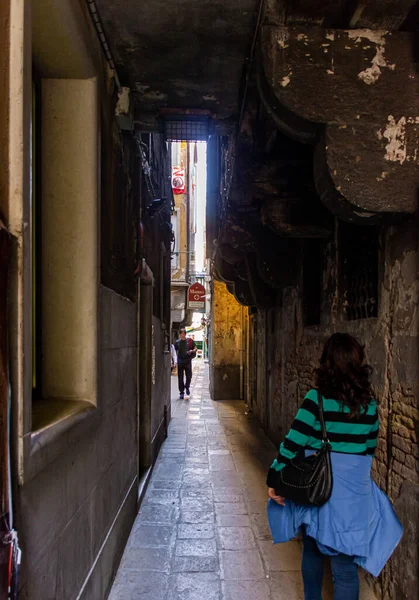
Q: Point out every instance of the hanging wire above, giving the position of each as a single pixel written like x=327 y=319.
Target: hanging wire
x=145 y=165
x=251 y=58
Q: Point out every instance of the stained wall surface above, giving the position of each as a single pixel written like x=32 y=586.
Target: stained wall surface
x=89 y=494
x=229 y=321
x=289 y=351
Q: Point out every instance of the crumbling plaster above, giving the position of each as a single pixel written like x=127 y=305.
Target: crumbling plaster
x=392 y=346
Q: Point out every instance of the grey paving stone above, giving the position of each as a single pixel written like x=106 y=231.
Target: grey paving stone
x=198 y=487
x=149 y=536
x=257 y=507
x=215 y=428
x=260 y=526
x=230 y=508
x=233 y=521
x=281 y=557
x=246 y=590
x=142 y=560
x=197 y=460
x=224 y=479
x=200 y=454
x=196 y=480
x=195 y=564
x=161 y=496
x=208 y=413
x=196 y=444
x=236 y=538
x=189 y=531
x=256 y=494
x=140 y=586
x=242 y=565
x=166 y=484
x=158 y=513
x=196 y=548
x=197 y=503
x=192 y=492
x=194 y=586
x=188 y=516
x=192 y=470
x=287 y=586
x=197 y=427
x=220 y=463
x=175 y=442
x=228 y=494
x=219 y=442
x=157 y=502
x=178 y=452
x=169 y=472
x=196 y=452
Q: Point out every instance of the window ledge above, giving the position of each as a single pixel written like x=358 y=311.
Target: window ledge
x=58 y=424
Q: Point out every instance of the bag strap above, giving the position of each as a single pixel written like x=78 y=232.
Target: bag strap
x=321 y=416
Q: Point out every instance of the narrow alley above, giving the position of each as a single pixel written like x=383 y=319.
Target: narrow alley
x=202 y=531
x=219 y=189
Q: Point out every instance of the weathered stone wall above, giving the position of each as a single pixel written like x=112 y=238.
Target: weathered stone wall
x=89 y=494
x=293 y=351
x=229 y=321
x=74 y=511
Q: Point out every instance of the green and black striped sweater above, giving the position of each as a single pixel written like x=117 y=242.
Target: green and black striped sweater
x=347 y=436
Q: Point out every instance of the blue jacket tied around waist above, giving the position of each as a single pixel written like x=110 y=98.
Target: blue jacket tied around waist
x=358 y=520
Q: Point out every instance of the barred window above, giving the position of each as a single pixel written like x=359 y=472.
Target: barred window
x=358 y=247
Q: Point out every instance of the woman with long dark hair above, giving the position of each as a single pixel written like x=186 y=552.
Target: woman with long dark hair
x=357 y=525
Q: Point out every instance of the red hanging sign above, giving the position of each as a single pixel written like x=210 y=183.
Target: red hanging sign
x=178 y=180
x=196 y=296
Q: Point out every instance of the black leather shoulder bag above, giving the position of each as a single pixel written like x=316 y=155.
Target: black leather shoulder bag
x=307 y=480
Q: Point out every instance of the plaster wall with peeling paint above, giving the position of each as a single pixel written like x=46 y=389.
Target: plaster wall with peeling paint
x=229 y=326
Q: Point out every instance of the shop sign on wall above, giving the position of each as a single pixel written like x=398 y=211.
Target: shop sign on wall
x=196 y=296
x=178 y=180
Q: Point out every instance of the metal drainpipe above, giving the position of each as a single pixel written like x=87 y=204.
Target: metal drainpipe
x=97 y=23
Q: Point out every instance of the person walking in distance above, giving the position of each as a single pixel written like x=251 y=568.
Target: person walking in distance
x=186 y=351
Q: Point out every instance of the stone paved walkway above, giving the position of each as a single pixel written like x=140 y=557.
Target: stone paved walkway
x=201 y=533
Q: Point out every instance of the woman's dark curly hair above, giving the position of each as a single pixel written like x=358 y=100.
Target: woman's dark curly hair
x=343 y=374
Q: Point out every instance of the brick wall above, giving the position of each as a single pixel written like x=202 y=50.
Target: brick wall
x=391 y=340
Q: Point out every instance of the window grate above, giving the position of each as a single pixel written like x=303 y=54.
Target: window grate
x=186 y=129
x=359 y=255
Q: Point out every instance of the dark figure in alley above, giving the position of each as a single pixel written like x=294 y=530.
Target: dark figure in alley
x=186 y=351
